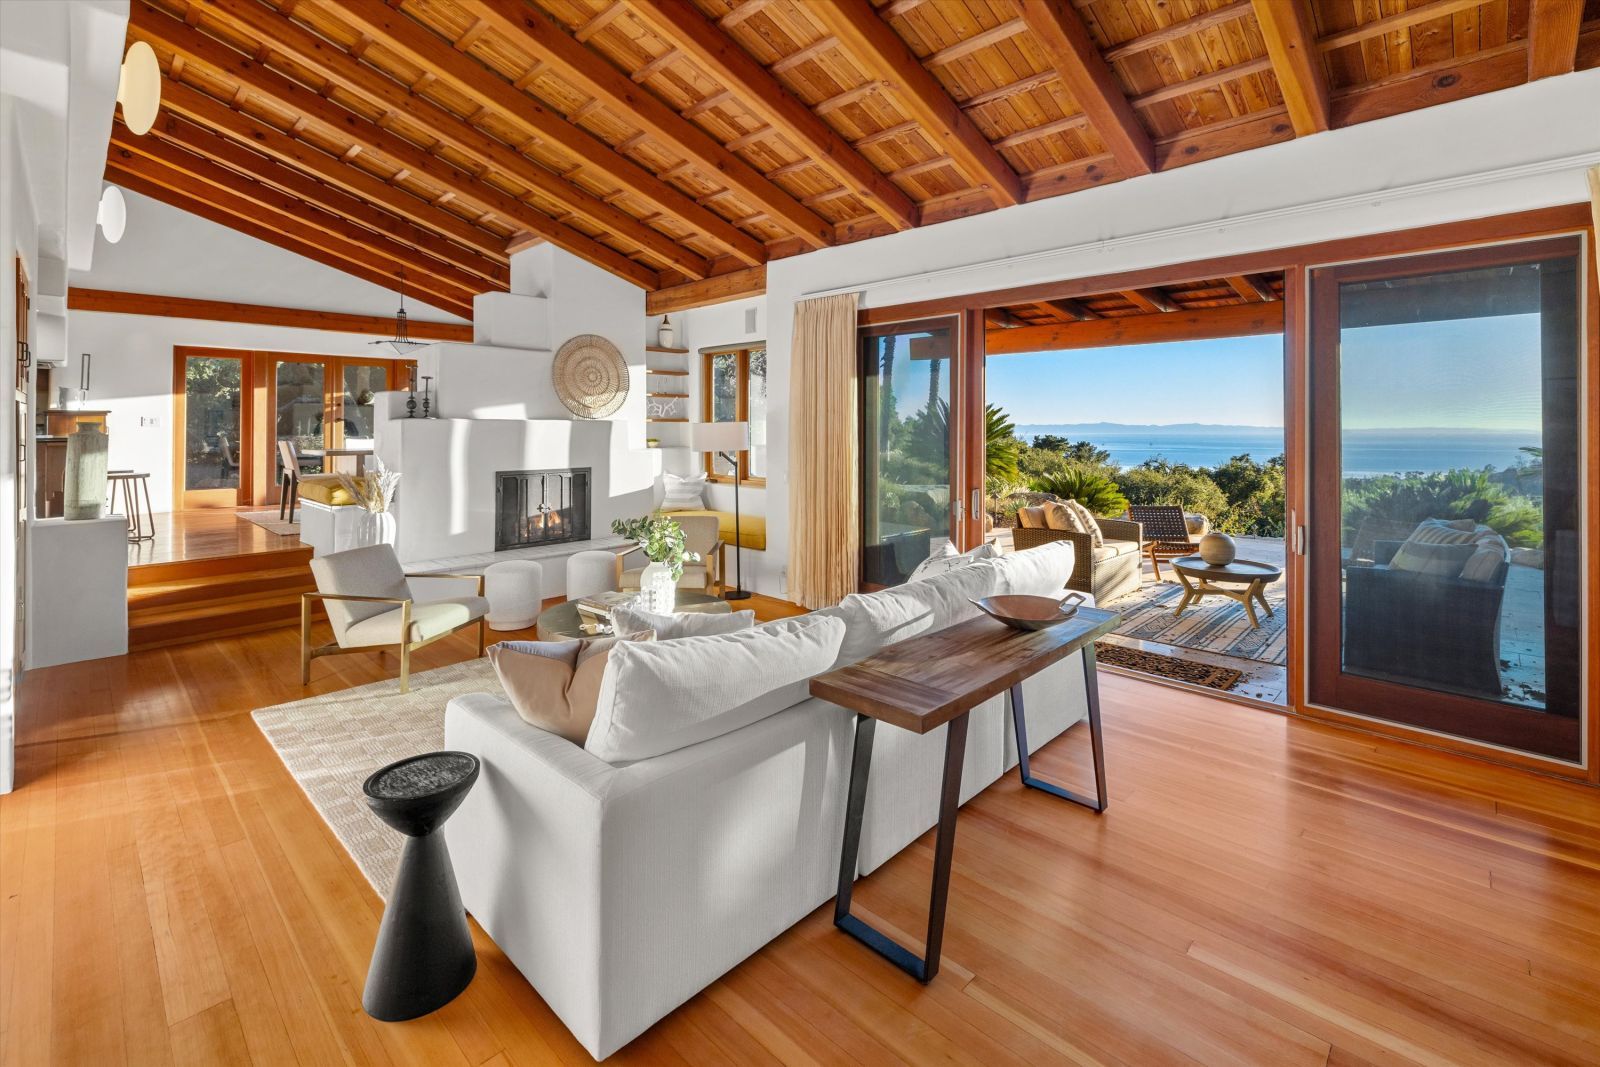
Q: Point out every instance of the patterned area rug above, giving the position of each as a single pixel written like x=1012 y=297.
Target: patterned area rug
x=1211 y=624
x=331 y=744
x=1181 y=670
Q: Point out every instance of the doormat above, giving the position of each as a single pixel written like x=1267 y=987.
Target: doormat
x=269 y=521
x=1180 y=670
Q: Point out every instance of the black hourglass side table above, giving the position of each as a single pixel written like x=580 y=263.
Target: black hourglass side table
x=423 y=958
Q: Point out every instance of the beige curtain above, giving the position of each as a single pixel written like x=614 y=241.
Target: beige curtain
x=824 y=484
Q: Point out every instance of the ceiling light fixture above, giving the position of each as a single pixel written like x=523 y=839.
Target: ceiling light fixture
x=112 y=214
x=401 y=342
x=139 y=88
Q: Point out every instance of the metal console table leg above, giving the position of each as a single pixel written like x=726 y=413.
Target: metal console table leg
x=1018 y=718
x=925 y=967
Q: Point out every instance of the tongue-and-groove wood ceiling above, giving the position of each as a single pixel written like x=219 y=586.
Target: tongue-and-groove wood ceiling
x=683 y=143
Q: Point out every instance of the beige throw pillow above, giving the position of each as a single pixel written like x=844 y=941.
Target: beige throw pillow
x=1087 y=523
x=1030 y=518
x=555 y=685
x=1058 y=517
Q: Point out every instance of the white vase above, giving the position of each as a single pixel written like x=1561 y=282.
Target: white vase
x=85 y=485
x=374 y=528
x=657 y=589
x=666 y=333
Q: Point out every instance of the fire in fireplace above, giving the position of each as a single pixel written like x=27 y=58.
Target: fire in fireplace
x=540 y=507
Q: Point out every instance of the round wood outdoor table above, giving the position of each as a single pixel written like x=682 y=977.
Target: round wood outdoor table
x=563 y=623
x=1200 y=578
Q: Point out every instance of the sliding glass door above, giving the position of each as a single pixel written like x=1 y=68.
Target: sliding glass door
x=909 y=490
x=1446 y=472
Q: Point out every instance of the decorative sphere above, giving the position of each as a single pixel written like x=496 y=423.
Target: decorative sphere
x=1218 y=549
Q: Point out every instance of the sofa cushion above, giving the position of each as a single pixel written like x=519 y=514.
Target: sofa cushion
x=1087 y=522
x=946 y=558
x=371 y=571
x=877 y=620
x=428 y=619
x=1057 y=516
x=1442 y=560
x=325 y=489
x=1031 y=517
x=681 y=623
x=555 y=685
x=1444 y=532
x=660 y=696
x=1041 y=571
x=1112 y=549
x=683 y=493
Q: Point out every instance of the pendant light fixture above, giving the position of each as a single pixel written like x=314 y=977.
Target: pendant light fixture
x=401 y=342
x=139 y=88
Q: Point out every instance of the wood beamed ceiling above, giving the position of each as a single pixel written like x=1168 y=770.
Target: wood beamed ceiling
x=681 y=144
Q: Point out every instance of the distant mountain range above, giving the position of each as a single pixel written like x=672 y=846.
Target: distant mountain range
x=1087 y=430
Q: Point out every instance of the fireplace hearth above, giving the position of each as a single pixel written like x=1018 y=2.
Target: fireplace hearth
x=547 y=507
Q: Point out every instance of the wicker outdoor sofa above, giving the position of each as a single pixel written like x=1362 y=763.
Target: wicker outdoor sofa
x=1107 y=572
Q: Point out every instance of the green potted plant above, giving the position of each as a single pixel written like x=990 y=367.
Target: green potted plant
x=661 y=540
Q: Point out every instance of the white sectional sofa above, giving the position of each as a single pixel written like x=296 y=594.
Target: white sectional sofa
x=621 y=890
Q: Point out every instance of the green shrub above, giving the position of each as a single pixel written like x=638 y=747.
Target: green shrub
x=1156 y=481
x=1458 y=494
x=1090 y=488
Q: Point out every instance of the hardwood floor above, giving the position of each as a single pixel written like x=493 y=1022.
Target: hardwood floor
x=1261 y=891
x=206 y=532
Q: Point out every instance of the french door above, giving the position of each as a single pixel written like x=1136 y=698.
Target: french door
x=916 y=402
x=1446 y=478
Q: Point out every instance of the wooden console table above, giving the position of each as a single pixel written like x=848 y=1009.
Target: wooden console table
x=937 y=679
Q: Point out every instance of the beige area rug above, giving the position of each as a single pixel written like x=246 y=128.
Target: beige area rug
x=331 y=743
x=269 y=521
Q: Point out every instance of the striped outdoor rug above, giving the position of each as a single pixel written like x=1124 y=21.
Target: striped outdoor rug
x=1213 y=624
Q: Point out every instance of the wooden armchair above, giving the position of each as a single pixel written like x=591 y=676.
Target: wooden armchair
x=370 y=607
x=1166 y=533
x=702 y=535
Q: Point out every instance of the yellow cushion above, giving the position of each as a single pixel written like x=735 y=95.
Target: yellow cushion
x=324 y=489
x=752 y=528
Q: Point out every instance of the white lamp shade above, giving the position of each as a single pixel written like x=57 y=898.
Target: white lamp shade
x=113 y=214
x=719 y=436
x=139 y=88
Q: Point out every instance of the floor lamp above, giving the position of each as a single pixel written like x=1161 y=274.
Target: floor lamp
x=726 y=439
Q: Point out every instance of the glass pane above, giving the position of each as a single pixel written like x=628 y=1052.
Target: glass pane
x=299 y=413
x=1459 y=483
x=757 y=412
x=724 y=399
x=211 y=387
x=905 y=451
x=361 y=386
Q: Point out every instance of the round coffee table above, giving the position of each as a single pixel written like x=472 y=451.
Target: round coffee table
x=563 y=623
x=1200 y=578
x=424 y=954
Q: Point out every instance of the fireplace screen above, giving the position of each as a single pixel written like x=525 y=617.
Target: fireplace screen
x=540 y=507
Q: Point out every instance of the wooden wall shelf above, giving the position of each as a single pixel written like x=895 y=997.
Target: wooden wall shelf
x=674 y=351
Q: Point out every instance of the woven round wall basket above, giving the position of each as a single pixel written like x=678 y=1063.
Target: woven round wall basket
x=590 y=376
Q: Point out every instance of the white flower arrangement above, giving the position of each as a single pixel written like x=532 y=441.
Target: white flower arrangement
x=373 y=490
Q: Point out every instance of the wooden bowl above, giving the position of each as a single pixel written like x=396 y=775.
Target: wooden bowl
x=1030 y=612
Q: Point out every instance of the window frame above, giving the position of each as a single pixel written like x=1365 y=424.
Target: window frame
x=741 y=352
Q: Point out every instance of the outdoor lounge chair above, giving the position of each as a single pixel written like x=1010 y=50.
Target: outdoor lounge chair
x=1166 y=533
x=1105 y=573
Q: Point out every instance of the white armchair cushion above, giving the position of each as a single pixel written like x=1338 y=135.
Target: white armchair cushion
x=427 y=620
x=657 y=697
x=680 y=623
x=372 y=571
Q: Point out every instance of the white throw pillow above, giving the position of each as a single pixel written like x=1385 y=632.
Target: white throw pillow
x=1041 y=571
x=683 y=494
x=877 y=620
x=680 y=623
x=946 y=558
x=696 y=688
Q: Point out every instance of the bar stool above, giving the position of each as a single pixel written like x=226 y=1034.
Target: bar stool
x=140 y=528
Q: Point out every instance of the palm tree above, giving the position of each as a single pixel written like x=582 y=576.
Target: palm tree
x=1000 y=444
x=1093 y=490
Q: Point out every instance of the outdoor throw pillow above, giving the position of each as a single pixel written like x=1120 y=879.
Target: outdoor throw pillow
x=1087 y=523
x=554 y=684
x=1440 y=560
x=1058 y=516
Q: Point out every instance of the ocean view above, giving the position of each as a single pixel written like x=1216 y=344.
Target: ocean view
x=1366 y=452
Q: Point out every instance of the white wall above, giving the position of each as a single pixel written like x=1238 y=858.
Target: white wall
x=1503 y=152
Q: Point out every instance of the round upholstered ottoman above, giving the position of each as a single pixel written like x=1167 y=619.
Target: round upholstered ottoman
x=515 y=591
x=596 y=571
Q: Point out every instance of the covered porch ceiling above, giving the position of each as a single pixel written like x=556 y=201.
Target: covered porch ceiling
x=682 y=144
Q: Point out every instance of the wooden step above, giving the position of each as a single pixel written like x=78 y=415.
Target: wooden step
x=203 y=622
x=296 y=579
x=209 y=566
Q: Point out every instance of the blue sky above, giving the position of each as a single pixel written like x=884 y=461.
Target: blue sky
x=1144 y=383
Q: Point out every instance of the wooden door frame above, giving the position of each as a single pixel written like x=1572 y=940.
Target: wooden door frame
x=1295 y=261
x=1329 y=688
x=181 y=354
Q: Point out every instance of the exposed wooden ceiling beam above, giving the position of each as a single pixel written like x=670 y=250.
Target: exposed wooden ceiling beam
x=885 y=57
x=113 y=302
x=208 y=208
x=169 y=127
x=1149 y=301
x=735 y=285
x=1237 y=320
x=1061 y=35
x=315 y=53
x=213 y=114
x=1001 y=319
x=353 y=242
x=1252 y=289
x=543 y=37
x=1073 y=309
x=1553 y=37
x=488 y=90
x=681 y=24
x=1290 y=36
x=149 y=23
